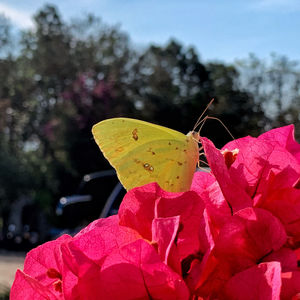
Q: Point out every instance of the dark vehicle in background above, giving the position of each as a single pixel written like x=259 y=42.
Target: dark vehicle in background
x=99 y=195
x=24 y=227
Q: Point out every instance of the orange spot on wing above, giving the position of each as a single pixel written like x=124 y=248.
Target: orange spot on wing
x=150 y=150
x=120 y=149
x=137 y=161
x=134 y=134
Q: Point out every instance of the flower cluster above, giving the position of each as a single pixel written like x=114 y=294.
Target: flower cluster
x=234 y=235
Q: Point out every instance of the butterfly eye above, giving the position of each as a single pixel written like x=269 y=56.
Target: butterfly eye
x=196 y=135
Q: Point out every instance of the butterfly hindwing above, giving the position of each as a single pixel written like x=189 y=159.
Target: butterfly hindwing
x=142 y=152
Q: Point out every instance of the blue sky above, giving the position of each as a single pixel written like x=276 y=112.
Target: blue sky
x=219 y=29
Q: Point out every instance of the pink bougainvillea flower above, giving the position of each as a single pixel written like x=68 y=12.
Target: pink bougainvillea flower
x=261 y=282
x=141 y=206
x=235 y=195
x=164 y=234
x=250 y=235
x=234 y=235
x=43 y=273
x=176 y=223
x=125 y=270
x=274 y=151
x=137 y=272
x=255 y=159
x=290 y=285
x=102 y=236
x=243 y=242
x=27 y=288
x=284 y=137
x=267 y=169
x=206 y=186
x=285 y=204
x=83 y=255
x=287 y=258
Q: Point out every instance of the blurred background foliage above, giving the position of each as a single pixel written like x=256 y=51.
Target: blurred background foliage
x=60 y=78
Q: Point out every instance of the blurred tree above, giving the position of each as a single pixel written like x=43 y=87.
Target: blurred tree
x=234 y=107
x=79 y=76
x=5 y=35
x=171 y=86
x=276 y=85
x=65 y=77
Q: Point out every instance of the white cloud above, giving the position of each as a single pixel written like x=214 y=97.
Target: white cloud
x=20 y=18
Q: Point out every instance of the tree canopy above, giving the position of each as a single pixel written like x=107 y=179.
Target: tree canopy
x=60 y=78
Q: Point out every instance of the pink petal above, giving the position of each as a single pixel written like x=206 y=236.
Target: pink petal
x=28 y=288
x=260 y=282
x=83 y=271
x=201 y=181
x=257 y=159
x=136 y=271
x=164 y=232
x=211 y=276
x=251 y=234
x=211 y=194
x=281 y=167
x=141 y=205
x=216 y=206
x=235 y=196
x=137 y=208
x=284 y=136
x=102 y=236
x=243 y=241
x=290 y=285
x=189 y=206
x=287 y=258
x=285 y=204
x=45 y=258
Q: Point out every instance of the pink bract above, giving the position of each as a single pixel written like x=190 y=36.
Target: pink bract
x=234 y=235
x=265 y=174
x=43 y=274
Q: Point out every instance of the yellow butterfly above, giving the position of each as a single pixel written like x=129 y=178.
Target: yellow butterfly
x=143 y=152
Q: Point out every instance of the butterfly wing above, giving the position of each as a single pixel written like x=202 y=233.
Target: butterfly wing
x=142 y=152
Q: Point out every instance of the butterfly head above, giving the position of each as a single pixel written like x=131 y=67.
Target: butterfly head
x=195 y=135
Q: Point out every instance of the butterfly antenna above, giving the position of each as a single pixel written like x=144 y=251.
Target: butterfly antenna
x=202 y=122
x=214 y=118
x=199 y=121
